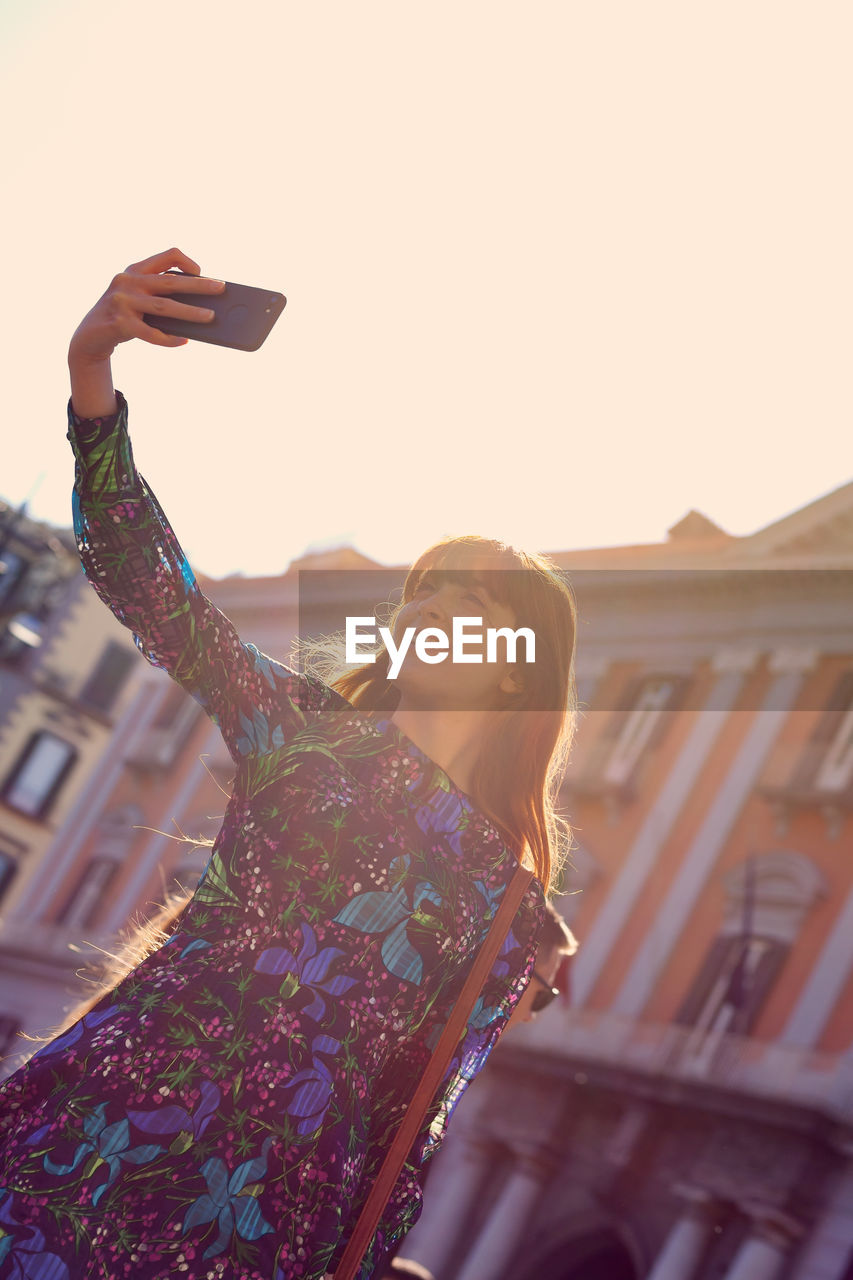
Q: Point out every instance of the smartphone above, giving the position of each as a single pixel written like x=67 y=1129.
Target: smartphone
x=243 y=315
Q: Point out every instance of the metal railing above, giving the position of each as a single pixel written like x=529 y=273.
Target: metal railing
x=796 y=1075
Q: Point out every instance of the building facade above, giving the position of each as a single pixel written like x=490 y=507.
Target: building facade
x=688 y=1113
x=69 y=677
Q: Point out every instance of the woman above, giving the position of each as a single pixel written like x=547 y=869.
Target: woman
x=222 y=1111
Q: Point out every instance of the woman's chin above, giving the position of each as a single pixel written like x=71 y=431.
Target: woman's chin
x=419 y=684
x=425 y=689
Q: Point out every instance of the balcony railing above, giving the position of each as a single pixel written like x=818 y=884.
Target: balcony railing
x=771 y=1072
x=51 y=942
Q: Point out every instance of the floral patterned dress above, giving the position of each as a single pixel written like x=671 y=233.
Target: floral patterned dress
x=223 y=1110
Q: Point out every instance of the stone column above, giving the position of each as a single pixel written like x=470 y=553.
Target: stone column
x=451 y=1192
x=688 y=1240
x=765 y=1251
x=502 y=1232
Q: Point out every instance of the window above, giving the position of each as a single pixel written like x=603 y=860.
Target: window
x=826 y=763
x=106 y=681
x=34 y=782
x=835 y=771
x=767 y=899
x=21 y=636
x=733 y=984
x=655 y=695
x=11 y=570
x=81 y=906
x=8 y=871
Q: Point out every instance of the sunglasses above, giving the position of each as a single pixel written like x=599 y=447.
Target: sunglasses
x=544 y=997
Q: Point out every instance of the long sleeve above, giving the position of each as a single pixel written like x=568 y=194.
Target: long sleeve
x=134 y=562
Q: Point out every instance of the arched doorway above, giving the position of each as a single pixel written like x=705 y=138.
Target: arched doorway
x=600 y=1256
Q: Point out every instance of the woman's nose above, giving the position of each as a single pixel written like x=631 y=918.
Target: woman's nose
x=433 y=608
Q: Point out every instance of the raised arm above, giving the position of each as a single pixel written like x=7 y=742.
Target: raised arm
x=130 y=554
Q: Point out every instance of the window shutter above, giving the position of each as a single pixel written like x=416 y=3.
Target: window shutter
x=717 y=959
x=624 y=705
x=766 y=973
x=839 y=701
x=726 y=956
x=661 y=724
x=8 y=871
x=677 y=699
x=106 y=681
x=825 y=730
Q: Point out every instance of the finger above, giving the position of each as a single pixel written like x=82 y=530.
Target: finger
x=157 y=306
x=169 y=283
x=138 y=329
x=162 y=261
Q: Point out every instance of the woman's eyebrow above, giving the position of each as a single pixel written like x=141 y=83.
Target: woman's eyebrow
x=469 y=578
x=481 y=582
x=491 y=600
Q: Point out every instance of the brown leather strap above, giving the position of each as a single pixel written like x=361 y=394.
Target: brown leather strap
x=410 y=1125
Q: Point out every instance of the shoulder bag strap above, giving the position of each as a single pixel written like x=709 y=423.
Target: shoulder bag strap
x=410 y=1125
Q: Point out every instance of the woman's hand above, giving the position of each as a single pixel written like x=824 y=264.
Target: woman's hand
x=117 y=317
x=140 y=289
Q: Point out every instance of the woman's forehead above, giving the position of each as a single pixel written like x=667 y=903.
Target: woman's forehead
x=499 y=576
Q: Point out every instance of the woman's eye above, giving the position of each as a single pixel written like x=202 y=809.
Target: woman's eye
x=427 y=584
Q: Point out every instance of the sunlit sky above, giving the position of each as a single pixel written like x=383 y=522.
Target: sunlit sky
x=556 y=272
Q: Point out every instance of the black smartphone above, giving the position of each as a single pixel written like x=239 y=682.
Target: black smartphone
x=243 y=315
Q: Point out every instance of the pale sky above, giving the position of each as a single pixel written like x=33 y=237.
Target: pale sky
x=556 y=272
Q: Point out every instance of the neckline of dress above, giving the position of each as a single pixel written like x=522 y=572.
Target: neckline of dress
x=385 y=724
x=387 y=727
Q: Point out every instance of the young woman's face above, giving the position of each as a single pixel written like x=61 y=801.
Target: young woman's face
x=437 y=600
